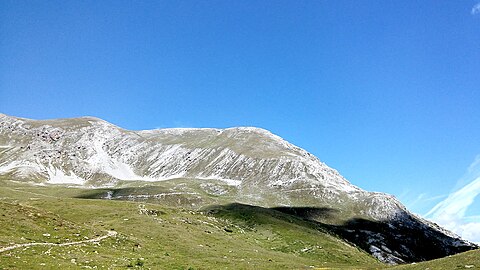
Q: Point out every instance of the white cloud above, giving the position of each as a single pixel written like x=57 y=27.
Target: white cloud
x=451 y=212
x=470 y=231
x=419 y=203
x=457 y=203
x=475 y=166
x=476 y=9
x=433 y=198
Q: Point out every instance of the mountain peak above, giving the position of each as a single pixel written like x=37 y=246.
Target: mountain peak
x=241 y=164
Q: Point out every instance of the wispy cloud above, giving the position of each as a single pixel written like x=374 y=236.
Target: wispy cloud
x=457 y=203
x=419 y=202
x=474 y=168
x=476 y=9
x=451 y=212
x=433 y=198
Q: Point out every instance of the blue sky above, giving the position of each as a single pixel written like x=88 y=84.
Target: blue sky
x=386 y=92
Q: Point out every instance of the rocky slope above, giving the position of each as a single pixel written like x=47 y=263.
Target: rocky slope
x=260 y=167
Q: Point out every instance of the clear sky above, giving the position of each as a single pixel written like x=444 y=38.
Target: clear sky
x=386 y=92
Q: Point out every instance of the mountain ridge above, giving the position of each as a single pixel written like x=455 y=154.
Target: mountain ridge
x=246 y=164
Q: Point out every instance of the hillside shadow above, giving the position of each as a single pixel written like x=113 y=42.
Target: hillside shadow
x=109 y=193
x=309 y=213
x=94 y=194
x=403 y=240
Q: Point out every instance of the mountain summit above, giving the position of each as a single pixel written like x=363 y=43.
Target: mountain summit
x=210 y=166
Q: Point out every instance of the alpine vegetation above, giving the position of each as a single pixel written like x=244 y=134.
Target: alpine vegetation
x=224 y=171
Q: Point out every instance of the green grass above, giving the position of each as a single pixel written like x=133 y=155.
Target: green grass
x=156 y=235
x=160 y=237
x=466 y=260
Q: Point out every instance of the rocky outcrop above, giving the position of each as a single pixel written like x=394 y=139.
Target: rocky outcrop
x=264 y=169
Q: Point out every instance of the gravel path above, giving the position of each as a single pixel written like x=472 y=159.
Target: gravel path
x=97 y=239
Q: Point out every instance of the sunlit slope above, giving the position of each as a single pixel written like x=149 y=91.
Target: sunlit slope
x=195 y=168
x=466 y=260
x=157 y=237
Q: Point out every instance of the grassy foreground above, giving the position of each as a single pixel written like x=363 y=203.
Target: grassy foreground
x=466 y=260
x=153 y=236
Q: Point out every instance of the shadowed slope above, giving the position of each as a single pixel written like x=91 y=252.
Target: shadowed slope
x=192 y=168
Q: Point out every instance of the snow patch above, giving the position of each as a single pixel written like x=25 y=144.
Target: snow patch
x=56 y=176
x=229 y=182
x=121 y=171
x=8 y=167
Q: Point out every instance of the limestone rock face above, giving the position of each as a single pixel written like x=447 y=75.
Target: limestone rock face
x=262 y=169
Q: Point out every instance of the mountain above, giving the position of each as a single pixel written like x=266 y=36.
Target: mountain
x=197 y=168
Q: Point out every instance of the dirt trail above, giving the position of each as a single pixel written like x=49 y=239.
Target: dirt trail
x=97 y=239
